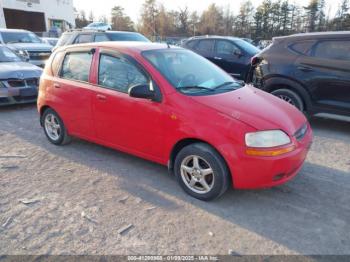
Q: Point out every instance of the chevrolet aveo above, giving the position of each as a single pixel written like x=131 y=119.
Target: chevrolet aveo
x=171 y=106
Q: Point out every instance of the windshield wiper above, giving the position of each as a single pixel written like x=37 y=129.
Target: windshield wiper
x=195 y=87
x=227 y=84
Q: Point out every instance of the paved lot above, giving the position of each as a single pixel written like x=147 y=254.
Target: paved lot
x=84 y=193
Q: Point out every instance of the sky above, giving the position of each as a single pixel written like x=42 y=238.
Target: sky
x=133 y=7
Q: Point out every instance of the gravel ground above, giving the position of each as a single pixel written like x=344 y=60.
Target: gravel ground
x=76 y=199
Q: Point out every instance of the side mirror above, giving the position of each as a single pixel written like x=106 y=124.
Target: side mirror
x=142 y=91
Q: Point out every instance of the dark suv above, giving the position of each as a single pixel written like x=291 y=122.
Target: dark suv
x=230 y=53
x=310 y=71
x=88 y=36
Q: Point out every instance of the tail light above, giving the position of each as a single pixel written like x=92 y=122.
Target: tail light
x=254 y=60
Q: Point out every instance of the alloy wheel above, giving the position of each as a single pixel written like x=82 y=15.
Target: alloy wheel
x=197 y=174
x=52 y=127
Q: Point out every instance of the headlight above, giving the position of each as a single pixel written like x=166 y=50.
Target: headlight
x=267 y=139
x=22 y=53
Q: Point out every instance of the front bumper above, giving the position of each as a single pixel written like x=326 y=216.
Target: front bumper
x=264 y=172
x=11 y=96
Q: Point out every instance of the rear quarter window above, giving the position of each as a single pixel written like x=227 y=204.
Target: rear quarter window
x=56 y=63
x=302 y=47
x=63 y=39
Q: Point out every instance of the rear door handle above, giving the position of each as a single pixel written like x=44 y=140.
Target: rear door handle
x=101 y=97
x=56 y=85
x=305 y=68
x=217 y=58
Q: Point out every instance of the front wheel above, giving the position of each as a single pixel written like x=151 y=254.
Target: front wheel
x=290 y=97
x=54 y=128
x=201 y=172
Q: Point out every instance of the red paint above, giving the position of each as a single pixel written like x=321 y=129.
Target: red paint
x=151 y=129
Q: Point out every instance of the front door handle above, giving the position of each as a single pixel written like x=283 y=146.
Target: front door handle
x=56 y=85
x=305 y=68
x=101 y=97
x=217 y=58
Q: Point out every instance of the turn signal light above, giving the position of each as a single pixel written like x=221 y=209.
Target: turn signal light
x=269 y=152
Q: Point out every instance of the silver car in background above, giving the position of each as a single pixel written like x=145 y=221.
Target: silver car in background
x=27 y=45
x=18 y=80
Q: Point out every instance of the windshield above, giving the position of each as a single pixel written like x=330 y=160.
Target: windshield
x=6 y=55
x=127 y=37
x=20 y=37
x=248 y=47
x=189 y=72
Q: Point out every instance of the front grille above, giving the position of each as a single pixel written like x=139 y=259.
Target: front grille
x=39 y=55
x=16 y=83
x=20 y=83
x=300 y=134
x=32 y=82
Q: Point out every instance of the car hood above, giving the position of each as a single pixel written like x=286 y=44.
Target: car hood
x=19 y=70
x=256 y=108
x=31 y=46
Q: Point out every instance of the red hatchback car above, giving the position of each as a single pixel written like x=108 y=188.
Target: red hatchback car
x=171 y=106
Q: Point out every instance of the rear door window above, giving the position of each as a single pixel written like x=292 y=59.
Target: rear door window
x=333 y=49
x=118 y=73
x=101 y=38
x=205 y=46
x=76 y=66
x=84 y=38
x=226 y=48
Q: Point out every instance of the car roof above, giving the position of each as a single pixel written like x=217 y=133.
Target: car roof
x=84 y=31
x=213 y=37
x=127 y=46
x=315 y=35
x=13 y=30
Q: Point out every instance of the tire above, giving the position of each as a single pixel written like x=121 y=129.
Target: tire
x=51 y=122
x=290 y=97
x=192 y=177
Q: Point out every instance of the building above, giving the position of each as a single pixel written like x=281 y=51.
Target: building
x=37 y=15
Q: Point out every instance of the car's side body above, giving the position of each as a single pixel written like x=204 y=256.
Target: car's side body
x=315 y=66
x=229 y=53
x=158 y=130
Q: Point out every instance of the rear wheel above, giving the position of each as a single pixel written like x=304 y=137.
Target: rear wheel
x=201 y=172
x=290 y=97
x=54 y=128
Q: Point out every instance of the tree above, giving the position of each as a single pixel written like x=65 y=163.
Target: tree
x=244 y=20
x=211 y=21
x=80 y=20
x=194 y=23
x=120 y=21
x=91 y=17
x=149 y=17
x=312 y=15
x=183 y=16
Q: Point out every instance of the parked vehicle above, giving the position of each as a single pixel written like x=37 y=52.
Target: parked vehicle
x=231 y=54
x=80 y=37
x=26 y=45
x=50 y=40
x=18 y=80
x=98 y=26
x=310 y=71
x=172 y=106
